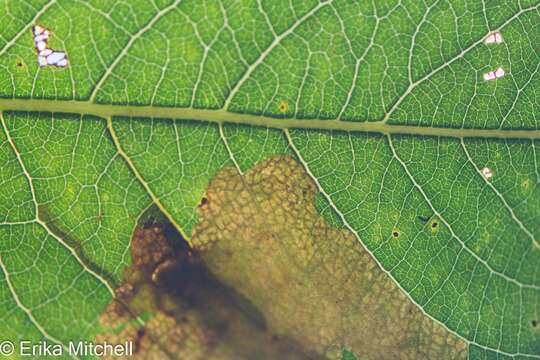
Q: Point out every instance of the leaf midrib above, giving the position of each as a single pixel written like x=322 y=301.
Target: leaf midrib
x=222 y=116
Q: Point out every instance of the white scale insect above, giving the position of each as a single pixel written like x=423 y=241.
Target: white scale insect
x=47 y=56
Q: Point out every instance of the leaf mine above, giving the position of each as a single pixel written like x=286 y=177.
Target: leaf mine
x=262 y=235
x=170 y=307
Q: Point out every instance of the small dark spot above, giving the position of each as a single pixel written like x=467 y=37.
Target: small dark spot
x=20 y=64
x=434 y=224
x=283 y=106
x=424 y=218
x=137 y=343
x=203 y=202
x=395 y=234
x=534 y=323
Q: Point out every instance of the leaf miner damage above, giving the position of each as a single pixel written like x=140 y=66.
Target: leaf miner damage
x=171 y=307
x=261 y=234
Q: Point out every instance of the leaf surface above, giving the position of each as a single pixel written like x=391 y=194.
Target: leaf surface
x=384 y=104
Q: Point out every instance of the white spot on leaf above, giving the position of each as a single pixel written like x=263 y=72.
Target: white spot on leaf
x=45 y=55
x=494 y=74
x=487 y=173
x=494 y=38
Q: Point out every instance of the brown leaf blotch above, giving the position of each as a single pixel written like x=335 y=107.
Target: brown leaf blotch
x=262 y=235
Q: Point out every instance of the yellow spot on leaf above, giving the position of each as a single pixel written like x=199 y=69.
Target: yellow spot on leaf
x=20 y=64
x=283 y=106
x=434 y=226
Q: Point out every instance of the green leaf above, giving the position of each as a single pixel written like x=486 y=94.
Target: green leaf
x=348 y=355
x=384 y=104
